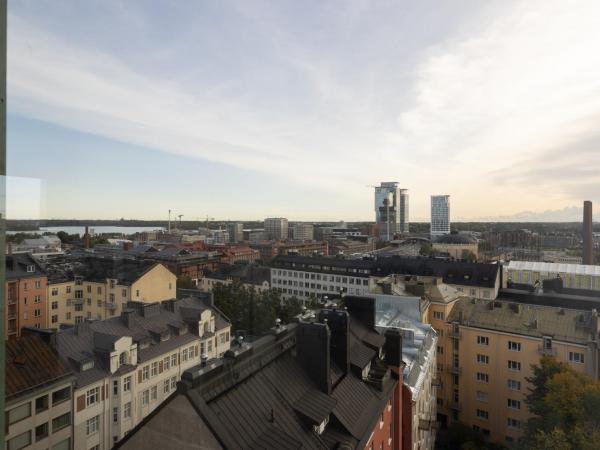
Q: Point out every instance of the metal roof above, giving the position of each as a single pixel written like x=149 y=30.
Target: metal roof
x=535 y=266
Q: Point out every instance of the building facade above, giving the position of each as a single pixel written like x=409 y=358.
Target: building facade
x=236 y=232
x=25 y=294
x=572 y=276
x=440 y=215
x=125 y=367
x=302 y=232
x=391 y=210
x=276 y=228
x=38 y=392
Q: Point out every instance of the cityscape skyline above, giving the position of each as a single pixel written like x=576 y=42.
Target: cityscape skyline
x=227 y=121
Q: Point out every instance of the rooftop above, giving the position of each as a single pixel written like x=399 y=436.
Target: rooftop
x=534 y=266
x=563 y=324
x=22 y=265
x=31 y=363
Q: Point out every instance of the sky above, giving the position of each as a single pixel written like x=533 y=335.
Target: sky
x=243 y=110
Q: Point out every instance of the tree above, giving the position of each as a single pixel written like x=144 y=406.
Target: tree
x=185 y=282
x=468 y=255
x=426 y=249
x=566 y=405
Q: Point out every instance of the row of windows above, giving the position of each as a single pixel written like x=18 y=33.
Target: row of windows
x=37 y=284
x=41 y=404
x=324 y=277
x=485 y=415
x=41 y=432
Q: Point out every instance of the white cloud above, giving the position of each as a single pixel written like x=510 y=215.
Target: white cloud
x=509 y=83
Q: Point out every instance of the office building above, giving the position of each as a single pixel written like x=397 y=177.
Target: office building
x=276 y=228
x=39 y=387
x=391 y=210
x=440 y=215
x=588 y=244
x=236 y=232
x=302 y=232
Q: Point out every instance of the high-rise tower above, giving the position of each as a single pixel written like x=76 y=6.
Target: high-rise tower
x=391 y=209
x=440 y=215
x=588 y=245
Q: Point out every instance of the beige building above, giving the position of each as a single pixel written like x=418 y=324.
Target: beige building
x=98 y=288
x=494 y=344
x=38 y=396
x=128 y=365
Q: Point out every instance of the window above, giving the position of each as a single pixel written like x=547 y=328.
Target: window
x=167 y=386
x=127 y=384
x=60 y=422
x=115 y=387
x=173 y=383
x=78 y=293
x=576 y=357
x=123 y=358
x=167 y=363
x=78 y=308
x=483 y=377
x=127 y=410
x=514 y=365
x=482 y=396
x=513 y=423
x=54 y=292
x=514 y=404
x=111 y=297
x=61 y=395
x=514 y=385
x=41 y=404
x=483 y=340
x=154 y=393
x=440 y=350
x=19 y=413
x=184 y=354
x=92 y=396
x=483 y=359
x=438 y=315
x=547 y=343
x=54 y=305
x=482 y=414
x=174 y=359
x=146 y=397
x=514 y=346
x=41 y=432
x=137 y=292
x=68 y=316
x=37 y=312
x=37 y=299
x=115 y=414
x=20 y=441
x=154 y=369
x=68 y=289
x=99 y=290
x=124 y=292
x=99 y=303
x=145 y=373
x=92 y=425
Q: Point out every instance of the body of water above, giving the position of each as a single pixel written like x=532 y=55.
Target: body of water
x=96 y=230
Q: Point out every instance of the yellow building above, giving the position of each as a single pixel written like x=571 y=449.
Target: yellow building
x=456 y=246
x=493 y=345
x=97 y=288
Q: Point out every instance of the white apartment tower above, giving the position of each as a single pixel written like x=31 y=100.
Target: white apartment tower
x=276 y=228
x=440 y=215
x=391 y=209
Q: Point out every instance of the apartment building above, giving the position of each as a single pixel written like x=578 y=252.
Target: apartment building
x=25 y=294
x=494 y=344
x=184 y=262
x=38 y=408
x=96 y=288
x=250 y=275
x=306 y=277
x=124 y=367
x=327 y=381
x=302 y=232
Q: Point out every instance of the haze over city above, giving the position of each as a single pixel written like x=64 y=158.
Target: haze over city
x=259 y=110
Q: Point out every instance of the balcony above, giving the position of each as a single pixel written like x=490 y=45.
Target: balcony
x=111 y=306
x=455 y=370
x=454 y=334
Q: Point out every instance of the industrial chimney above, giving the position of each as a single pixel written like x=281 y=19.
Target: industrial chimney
x=588 y=254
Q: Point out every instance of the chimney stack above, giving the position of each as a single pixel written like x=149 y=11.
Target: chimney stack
x=313 y=353
x=86 y=238
x=339 y=326
x=588 y=253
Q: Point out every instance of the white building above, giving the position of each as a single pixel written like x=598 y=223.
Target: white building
x=276 y=228
x=440 y=215
x=573 y=276
x=302 y=232
x=391 y=209
x=126 y=366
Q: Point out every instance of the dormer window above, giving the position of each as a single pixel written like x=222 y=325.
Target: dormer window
x=87 y=365
x=123 y=358
x=30 y=268
x=206 y=328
